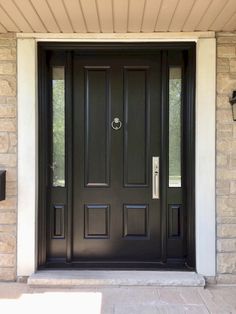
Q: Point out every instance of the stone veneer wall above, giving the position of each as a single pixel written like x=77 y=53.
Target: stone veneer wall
x=8 y=155
x=226 y=159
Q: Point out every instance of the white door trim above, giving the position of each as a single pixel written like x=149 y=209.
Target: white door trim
x=28 y=142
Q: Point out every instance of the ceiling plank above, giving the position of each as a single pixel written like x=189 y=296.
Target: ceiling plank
x=2 y=29
x=105 y=14
x=165 y=15
x=120 y=12
x=7 y=22
x=136 y=8
x=212 y=12
x=224 y=16
x=195 y=15
x=182 y=11
x=46 y=16
x=230 y=25
x=19 y=20
x=60 y=14
x=76 y=16
x=91 y=15
x=27 y=10
x=150 y=15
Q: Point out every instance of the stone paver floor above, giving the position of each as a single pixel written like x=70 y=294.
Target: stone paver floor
x=19 y=298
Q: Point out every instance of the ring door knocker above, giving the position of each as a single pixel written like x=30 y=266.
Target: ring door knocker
x=116 y=124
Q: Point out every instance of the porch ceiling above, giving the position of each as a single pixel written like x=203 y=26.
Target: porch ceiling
x=116 y=16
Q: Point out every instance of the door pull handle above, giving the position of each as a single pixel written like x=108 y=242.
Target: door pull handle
x=155 y=177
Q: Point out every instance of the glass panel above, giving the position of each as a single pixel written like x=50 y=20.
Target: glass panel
x=58 y=102
x=175 y=89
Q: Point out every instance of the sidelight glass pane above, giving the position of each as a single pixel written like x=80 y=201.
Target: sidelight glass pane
x=175 y=91
x=58 y=125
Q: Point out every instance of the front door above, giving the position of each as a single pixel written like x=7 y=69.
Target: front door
x=116 y=158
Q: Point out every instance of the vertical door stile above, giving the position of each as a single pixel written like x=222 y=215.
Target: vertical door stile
x=68 y=151
x=164 y=153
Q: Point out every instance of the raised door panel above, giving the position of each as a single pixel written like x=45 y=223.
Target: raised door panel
x=136 y=132
x=97 y=130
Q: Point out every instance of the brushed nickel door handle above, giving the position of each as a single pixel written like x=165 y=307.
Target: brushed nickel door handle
x=155 y=177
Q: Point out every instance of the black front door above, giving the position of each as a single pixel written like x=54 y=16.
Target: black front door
x=116 y=159
x=116 y=133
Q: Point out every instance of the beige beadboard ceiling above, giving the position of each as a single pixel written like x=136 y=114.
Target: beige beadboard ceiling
x=116 y=16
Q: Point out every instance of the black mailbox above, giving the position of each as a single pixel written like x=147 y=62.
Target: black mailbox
x=2 y=185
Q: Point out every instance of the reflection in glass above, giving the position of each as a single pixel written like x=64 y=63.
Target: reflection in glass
x=58 y=126
x=175 y=90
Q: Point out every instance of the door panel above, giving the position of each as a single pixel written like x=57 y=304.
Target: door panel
x=97 y=129
x=136 y=124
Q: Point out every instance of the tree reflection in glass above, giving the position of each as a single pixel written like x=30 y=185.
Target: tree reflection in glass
x=175 y=101
x=58 y=103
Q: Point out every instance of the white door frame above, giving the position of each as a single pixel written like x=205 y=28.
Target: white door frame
x=205 y=219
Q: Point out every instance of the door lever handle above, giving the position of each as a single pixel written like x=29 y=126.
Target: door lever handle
x=155 y=177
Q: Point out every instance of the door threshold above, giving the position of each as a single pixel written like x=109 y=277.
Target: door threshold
x=88 y=278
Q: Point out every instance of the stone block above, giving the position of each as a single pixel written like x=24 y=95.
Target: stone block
x=7 y=54
x=7 y=111
x=4 y=142
x=234 y=131
x=13 y=142
x=225 y=51
x=7 y=274
x=3 y=99
x=226 y=220
x=225 y=205
x=11 y=188
x=221 y=202
x=8 y=125
x=231 y=202
x=8 y=204
x=225 y=83
x=11 y=100
x=226 y=231
x=232 y=63
x=8 y=68
x=222 y=187
x=7 y=260
x=11 y=229
x=226 y=174
x=232 y=162
x=228 y=279
x=224 y=115
x=233 y=146
x=226 y=245
x=223 y=65
x=222 y=102
x=222 y=160
x=224 y=130
x=11 y=174
x=7 y=160
x=226 y=40
x=7 y=218
x=226 y=263
x=7 y=86
x=7 y=243
x=224 y=145
x=7 y=42
x=232 y=187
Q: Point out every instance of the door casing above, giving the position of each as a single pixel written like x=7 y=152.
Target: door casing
x=189 y=124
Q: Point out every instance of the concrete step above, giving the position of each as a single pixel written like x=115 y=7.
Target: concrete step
x=86 y=278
